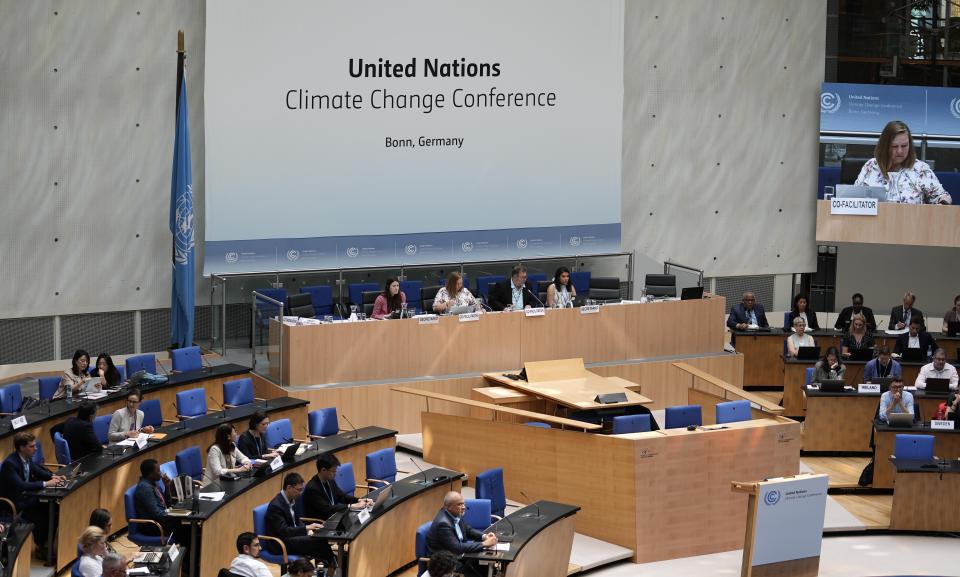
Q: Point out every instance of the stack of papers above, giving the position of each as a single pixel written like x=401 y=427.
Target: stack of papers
x=215 y=496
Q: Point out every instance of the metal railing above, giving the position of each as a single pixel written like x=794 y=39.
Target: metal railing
x=263 y=322
x=673 y=267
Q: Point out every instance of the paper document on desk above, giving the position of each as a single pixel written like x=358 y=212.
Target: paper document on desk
x=896 y=331
x=501 y=547
x=127 y=442
x=139 y=571
x=215 y=496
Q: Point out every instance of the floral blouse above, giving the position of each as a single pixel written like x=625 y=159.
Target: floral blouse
x=915 y=185
x=464 y=297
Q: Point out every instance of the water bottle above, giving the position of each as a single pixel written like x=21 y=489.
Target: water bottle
x=69 y=393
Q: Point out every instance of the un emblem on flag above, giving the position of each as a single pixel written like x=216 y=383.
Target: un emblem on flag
x=183 y=240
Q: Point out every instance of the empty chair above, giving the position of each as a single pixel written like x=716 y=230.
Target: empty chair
x=191 y=403
x=427 y=295
x=238 y=392
x=809 y=374
x=490 y=486
x=48 y=386
x=631 y=424
x=186 y=359
x=542 y=291
x=40 y=459
x=62 y=449
x=581 y=281
x=323 y=423
x=278 y=432
x=11 y=399
x=190 y=462
x=733 y=411
x=538 y=425
x=301 y=305
x=346 y=480
x=411 y=290
x=260 y=528
x=683 y=416
x=355 y=292
x=266 y=310
x=918 y=447
x=422 y=551
x=322 y=298
x=536 y=277
x=605 y=289
x=135 y=524
x=382 y=467
x=138 y=363
x=368 y=298
x=101 y=425
x=484 y=282
x=477 y=514
x=152 y=413
x=660 y=285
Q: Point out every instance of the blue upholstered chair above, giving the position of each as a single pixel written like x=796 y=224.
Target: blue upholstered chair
x=490 y=486
x=278 y=432
x=809 y=376
x=137 y=363
x=355 y=292
x=101 y=425
x=260 y=528
x=186 y=359
x=40 y=459
x=733 y=411
x=191 y=403
x=346 y=480
x=11 y=399
x=238 y=392
x=411 y=289
x=422 y=551
x=683 y=416
x=484 y=282
x=478 y=513
x=322 y=298
x=189 y=462
x=48 y=386
x=382 y=467
x=152 y=413
x=323 y=423
x=62 y=449
x=135 y=524
x=538 y=425
x=581 y=281
x=913 y=447
x=631 y=424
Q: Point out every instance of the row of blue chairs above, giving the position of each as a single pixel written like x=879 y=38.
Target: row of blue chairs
x=676 y=418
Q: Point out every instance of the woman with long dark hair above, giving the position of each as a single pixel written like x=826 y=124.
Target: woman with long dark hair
x=801 y=308
x=223 y=456
x=389 y=300
x=561 y=292
x=75 y=376
x=107 y=371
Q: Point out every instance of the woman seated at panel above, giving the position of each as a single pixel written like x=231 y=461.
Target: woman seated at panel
x=454 y=294
x=75 y=376
x=895 y=167
x=952 y=315
x=223 y=456
x=389 y=301
x=858 y=338
x=829 y=368
x=799 y=338
x=93 y=544
x=801 y=308
x=253 y=442
x=561 y=292
x=107 y=372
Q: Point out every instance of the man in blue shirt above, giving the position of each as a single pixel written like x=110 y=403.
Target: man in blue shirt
x=449 y=531
x=896 y=400
x=883 y=366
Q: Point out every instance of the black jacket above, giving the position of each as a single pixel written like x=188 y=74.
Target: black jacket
x=843 y=321
x=896 y=316
x=80 y=437
x=247 y=444
x=316 y=499
x=443 y=537
x=926 y=342
x=501 y=295
x=281 y=524
x=811 y=320
x=13 y=485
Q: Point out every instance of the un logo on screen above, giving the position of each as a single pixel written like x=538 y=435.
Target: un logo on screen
x=772 y=497
x=410 y=249
x=521 y=243
x=829 y=102
x=955 y=107
x=183 y=242
x=231 y=257
x=293 y=255
x=467 y=246
x=353 y=252
x=575 y=241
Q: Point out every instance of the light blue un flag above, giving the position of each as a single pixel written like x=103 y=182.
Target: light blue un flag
x=181 y=227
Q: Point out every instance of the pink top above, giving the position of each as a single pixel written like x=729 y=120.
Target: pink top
x=380 y=310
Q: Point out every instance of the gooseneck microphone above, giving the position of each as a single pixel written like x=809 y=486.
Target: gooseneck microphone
x=530 y=515
x=223 y=408
x=356 y=433
x=534 y=295
x=424 y=473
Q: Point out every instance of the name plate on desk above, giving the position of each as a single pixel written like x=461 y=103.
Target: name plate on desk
x=428 y=319
x=469 y=317
x=533 y=312
x=173 y=553
x=868 y=388
x=276 y=463
x=941 y=425
x=861 y=206
x=363 y=516
x=589 y=309
x=19 y=422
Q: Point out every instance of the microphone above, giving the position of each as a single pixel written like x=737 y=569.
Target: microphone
x=223 y=408
x=530 y=515
x=526 y=288
x=424 y=473
x=507 y=537
x=183 y=423
x=309 y=445
x=483 y=305
x=356 y=433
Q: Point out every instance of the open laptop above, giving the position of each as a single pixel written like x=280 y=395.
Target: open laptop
x=884 y=383
x=460 y=309
x=900 y=419
x=291 y=452
x=808 y=353
x=832 y=385
x=382 y=499
x=853 y=191
x=953 y=329
x=913 y=355
x=937 y=387
x=861 y=354
x=691 y=293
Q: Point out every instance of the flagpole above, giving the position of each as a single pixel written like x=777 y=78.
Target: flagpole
x=181 y=57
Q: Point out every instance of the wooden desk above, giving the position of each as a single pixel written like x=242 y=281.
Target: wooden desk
x=763 y=354
x=19 y=550
x=946 y=445
x=939 y=225
x=506 y=397
x=316 y=354
x=923 y=498
x=662 y=478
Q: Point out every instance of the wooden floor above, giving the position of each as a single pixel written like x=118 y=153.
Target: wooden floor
x=844 y=471
x=872 y=510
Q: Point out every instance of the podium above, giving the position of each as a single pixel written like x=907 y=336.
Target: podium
x=784 y=526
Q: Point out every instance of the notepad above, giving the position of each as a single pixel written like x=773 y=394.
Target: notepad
x=501 y=547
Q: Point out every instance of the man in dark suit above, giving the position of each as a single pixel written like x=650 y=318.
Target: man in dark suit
x=449 y=532
x=151 y=503
x=915 y=338
x=323 y=497
x=20 y=474
x=78 y=432
x=843 y=321
x=747 y=313
x=513 y=294
x=901 y=316
x=283 y=523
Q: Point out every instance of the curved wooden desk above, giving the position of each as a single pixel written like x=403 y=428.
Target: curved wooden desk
x=16 y=562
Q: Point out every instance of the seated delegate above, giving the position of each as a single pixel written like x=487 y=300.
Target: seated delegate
x=799 y=338
x=514 y=293
x=896 y=400
x=93 y=544
x=881 y=367
x=389 y=301
x=450 y=532
x=19 y=477
x=748 y=313
x=79 y=434
x=323 y=497
x=74 y=377
x=937 y=369
x=454 y=294
x=915 y=338
x=858 y=338
x=901 y=316
x=952 y=315
x=107 y=372
x=284 y=524
x=127 y=423
x=253 y=441
x=561 y=292
x=857 y=308
x=247 y=562
x=895 y=167
x=149 y=502
x=223 y=456
x=829 y=368
x=801 y=308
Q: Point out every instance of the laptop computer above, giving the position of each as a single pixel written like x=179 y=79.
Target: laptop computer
x=808 y=353
x=937 y=387
x=861 y=354
x=913 y=355
x=291 y=453
x=382 y=499
x=460 y=309
x=853 y=191
x=900 y=419
x=832 y=386
x=953 y=329
x=884 y=383
x=691 y=293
